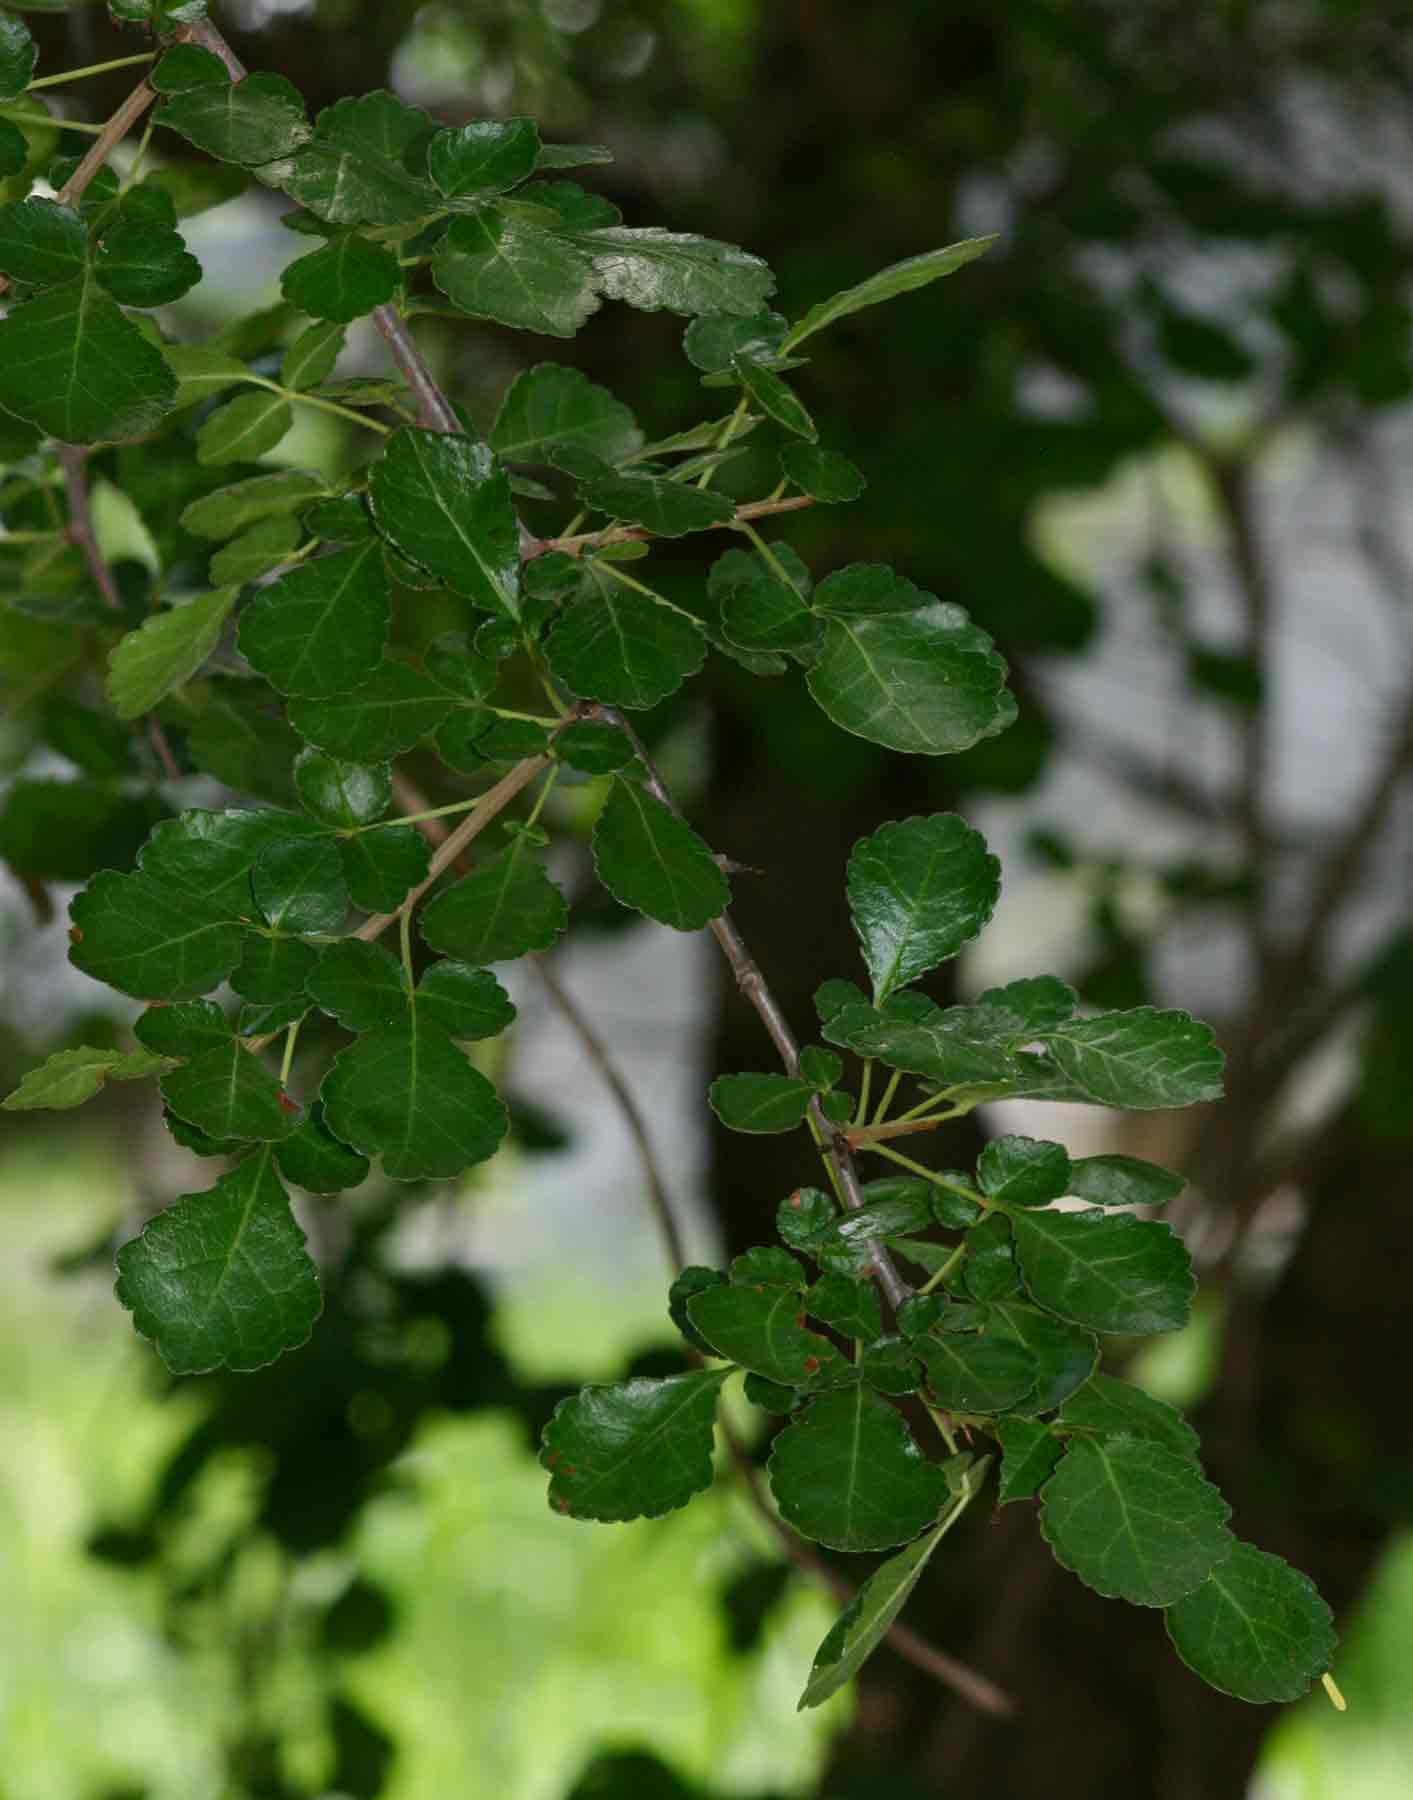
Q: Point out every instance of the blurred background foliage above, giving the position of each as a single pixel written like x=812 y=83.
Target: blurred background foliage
x=1160 y=443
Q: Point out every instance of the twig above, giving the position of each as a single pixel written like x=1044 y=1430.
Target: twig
x=635 y=534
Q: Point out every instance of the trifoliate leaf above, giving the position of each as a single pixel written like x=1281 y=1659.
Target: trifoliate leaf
x=392 y=710
x=360 y=985
x=222 y=1279
x=1109 y=1272
x=1114 y=1180
x=444 y=502
x=69 y=1077
x=1032 y=1005
x=848 y=1474
x=255 y=552
x=143 y=938
x=1022 y=1171
x=299 y=887
x=774 y=397
x=904 y=670
x=849 y=1305
x=652 y=861
x=227 y=1093
x=655 y=270
x=272 y=972
x=344 y=280
x=314 y=1159
x=625 y=648
x=666 y=508
x=494 y=265
x=898 y=278
x=1029 y=1452
x=344 y=795
x=758 y=1328
x=919 y=889
x=406 y=1093
x=320 y=629
x=634 y=1449
x=1119 y=1409
x=184 y=1030
x=72 y=363
x=18 y=55
x=1133 y=1521
x=143 y=263
x=503 y=909
x=381 y=866
x=487 y=156
x=1140 y=1059
x=824 y=475
x=253 y=121
x=551 y=408
x=1256 y=1628
x=760 y=1102
x=359 y=167
x=1065 y=1355
x=244 y=428
x=211 y=854
x=966 y=1373
x=467 y=1003
x=41 y=242
x=867 y=1619
x=166 y=651
x=224 y=512
x=311 y=357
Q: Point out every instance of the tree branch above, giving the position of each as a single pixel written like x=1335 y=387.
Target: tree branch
x=637 y=534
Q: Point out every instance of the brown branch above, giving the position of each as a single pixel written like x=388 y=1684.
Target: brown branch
x=637 y=534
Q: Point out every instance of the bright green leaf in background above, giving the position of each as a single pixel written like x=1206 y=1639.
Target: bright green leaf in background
x=69 y=1077
x=244 y=428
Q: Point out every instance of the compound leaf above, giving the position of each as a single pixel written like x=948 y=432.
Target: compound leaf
x=494 y=265
x=320 y=629
x=633 y=1449
x=1109 y=1272
x=360 y=165
x=381 y=866
x=624 y=648
x=1022 y=1171
x=395 y=707
x=150 y=940
x=551 y=408
x=967 y=1373
x=1116 y=1408
x=1140 y=1059
x=227 y=1093
x=758 y=1327
x=503 y=909
x=360 y=985
x=444 y=501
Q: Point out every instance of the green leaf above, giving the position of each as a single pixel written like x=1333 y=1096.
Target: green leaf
x=227 y=1093
x=360 y=985
x=184 y=1030
x=692 y=1280
x=1256 y=1628
x=15 y=148
x=898 y=278
x=824 y=475
x=714 y=341
x=244 y=428
x=227 y=510
x=66 y=830
x=69 y=1077
x=272 y=972
x=210 y=855
x=361 y=166
x=769 y=1264
x=394 y=709
x=775 y=399
x=1119 y=1409
x=146 y=939
x=166 y=651
x=633 y=1450
x=195 y=188
x=656 y=270
x=255 y=552
x=623 y=647
x=572 y=156
x=974 y=1374
x=298 y=885
x=494 y=265
x=467 y=1003
x=1029 y=1452
x=320 y=629
x=1133 y=1521
x=1031 y=1006
x=143 y=263
x=187 y=66
x=240 y=740
x=201 y=372
x=1064 y=1354
x=41 y=242
x=222 y=1279
x=1140 y=1059
x=760 y=1103
x=488 y=156
x=593 y=749
x=666 y=508
x=850 y=1306
x=1022 y=1171
x=847 y=1473
x=503 y=909
x=867 y=1619
x=764 y=614
x=344 y=280
x=314 y=1159
x=919 y=678
x=758 y=1328
x=919 y=889
x=990 y=1269
x=253 y=121
x=1109 y=1272
x=652 y=861
x=551 y=408
x=1114 y=1180
x=18 y=55
x=934 y=1045
x=74 y=365
x=406 y=1093
x=381 y=866
x=444 y=501
x=311 y=357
